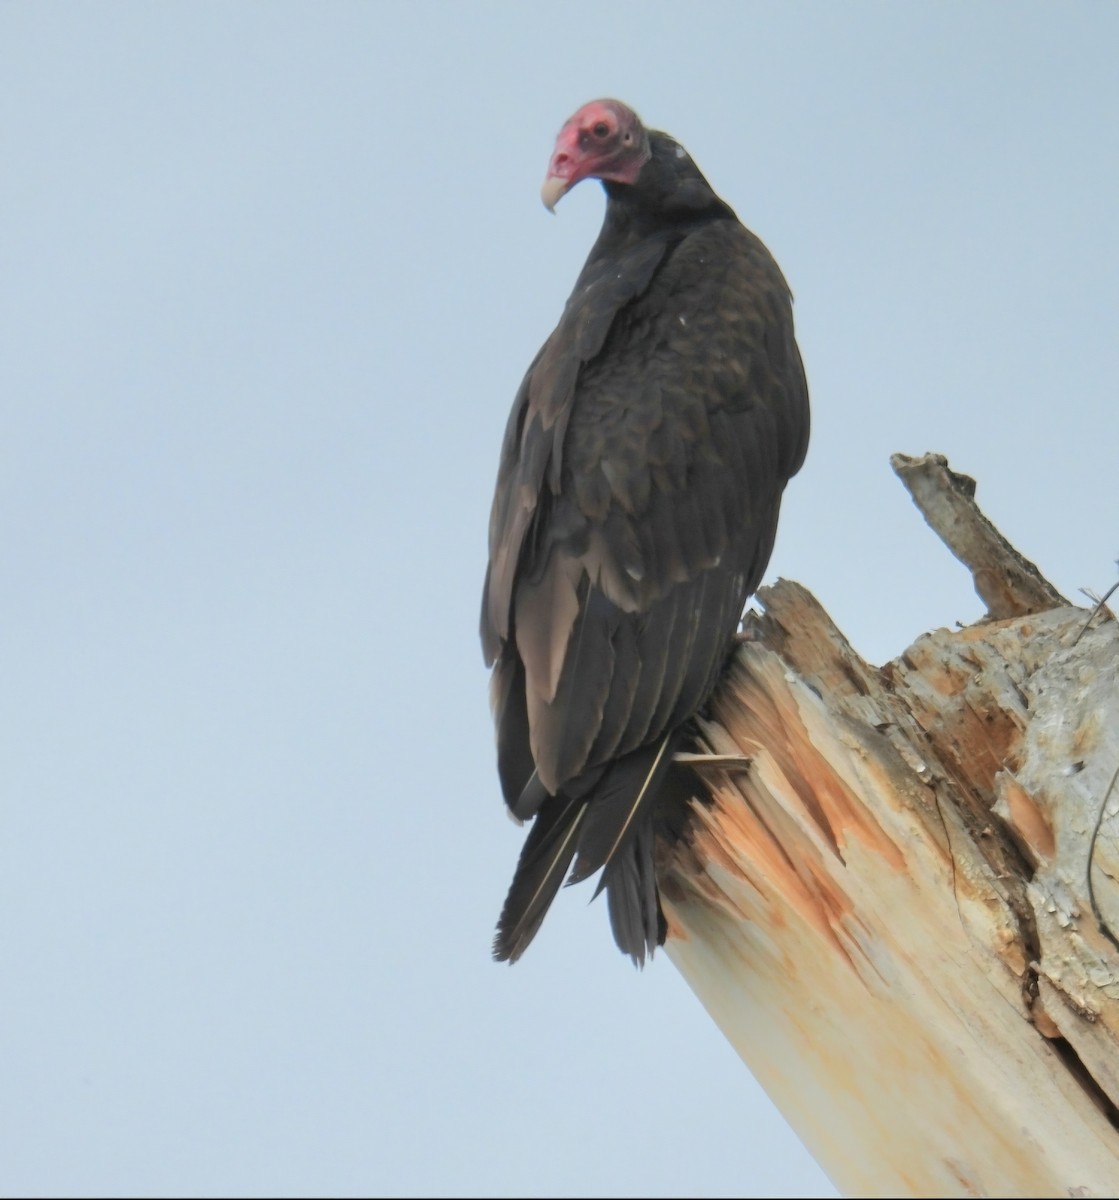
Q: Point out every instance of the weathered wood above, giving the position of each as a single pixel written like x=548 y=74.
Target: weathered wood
x=889 y=913
x=1008 y=583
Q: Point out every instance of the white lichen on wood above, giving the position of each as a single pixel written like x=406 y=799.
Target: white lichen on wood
x=889 y=913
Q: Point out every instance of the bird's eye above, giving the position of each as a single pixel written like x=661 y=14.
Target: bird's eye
x=601 y=129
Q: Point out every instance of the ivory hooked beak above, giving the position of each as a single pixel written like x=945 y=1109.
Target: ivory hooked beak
x=553 y=190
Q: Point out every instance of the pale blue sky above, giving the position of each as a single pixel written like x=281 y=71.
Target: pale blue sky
x=270 y=276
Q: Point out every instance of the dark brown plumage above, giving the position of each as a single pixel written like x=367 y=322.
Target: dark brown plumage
x=636 y=505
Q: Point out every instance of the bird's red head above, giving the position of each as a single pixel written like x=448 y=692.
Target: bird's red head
x=603 y=140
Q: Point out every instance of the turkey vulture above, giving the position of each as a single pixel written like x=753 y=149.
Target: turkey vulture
x=637 y=496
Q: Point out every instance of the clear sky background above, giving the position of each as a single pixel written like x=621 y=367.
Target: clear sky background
x=270 y=275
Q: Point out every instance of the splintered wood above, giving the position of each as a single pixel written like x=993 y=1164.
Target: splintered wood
x=903 y=913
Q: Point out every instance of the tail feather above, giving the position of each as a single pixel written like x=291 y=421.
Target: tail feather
x=628 y=788
x=631 y=894
x=609 y=824
x=545 y=857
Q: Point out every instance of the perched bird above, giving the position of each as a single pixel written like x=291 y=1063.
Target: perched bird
x=637 y=496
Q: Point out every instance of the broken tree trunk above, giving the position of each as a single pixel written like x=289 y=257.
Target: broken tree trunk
x=901 y=912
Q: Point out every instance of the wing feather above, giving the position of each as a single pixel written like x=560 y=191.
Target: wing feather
x=658 y=514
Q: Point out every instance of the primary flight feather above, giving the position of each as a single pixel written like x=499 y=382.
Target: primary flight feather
x=637 y=498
